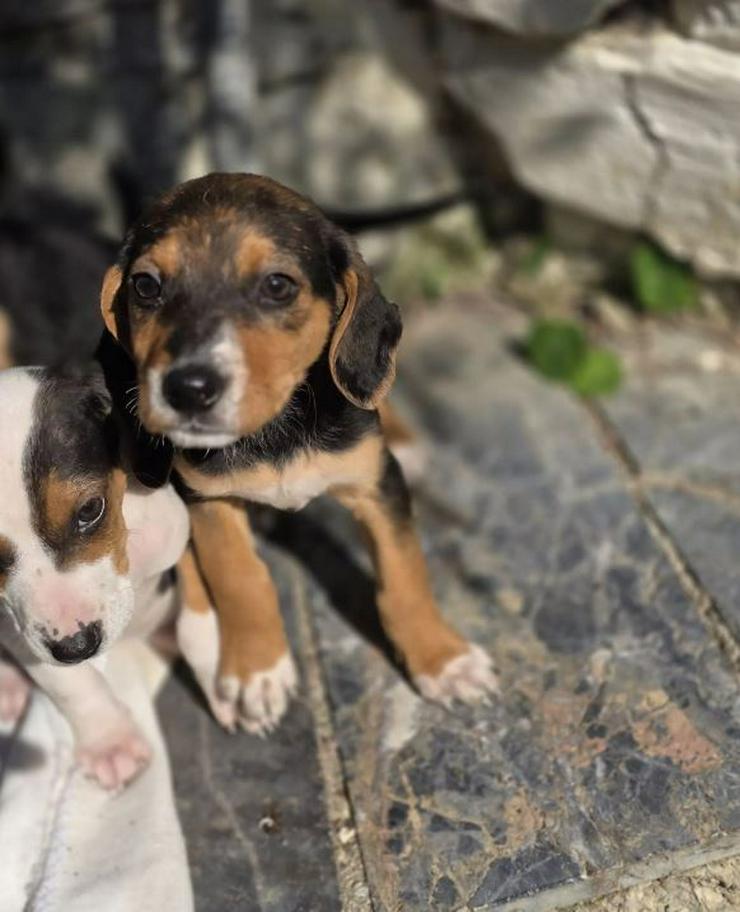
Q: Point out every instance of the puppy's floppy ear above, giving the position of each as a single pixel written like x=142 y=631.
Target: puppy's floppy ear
x=150 y=457
x=362 y=352
x=108 y=294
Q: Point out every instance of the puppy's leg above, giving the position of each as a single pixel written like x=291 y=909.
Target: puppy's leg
x=257 y=675
x=405 y=445
x=198 y=639
x=443 y=665
x=109 y=747
x=15 y=690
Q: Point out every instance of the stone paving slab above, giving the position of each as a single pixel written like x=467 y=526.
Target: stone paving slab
x=679 y=415
x=613 y=754
x=253 y=810
x=612 y=757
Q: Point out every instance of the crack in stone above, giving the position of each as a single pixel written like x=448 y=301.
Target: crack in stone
x=351 y=869
x=716 y=493
x=662 y=160
x=221 y=799
x=704 y=603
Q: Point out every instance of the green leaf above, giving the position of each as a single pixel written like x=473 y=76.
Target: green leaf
x=534 y=259
x=661 y=285
x=598 y=374
x=556 y=348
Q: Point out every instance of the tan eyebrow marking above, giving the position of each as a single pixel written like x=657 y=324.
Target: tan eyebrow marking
x=60 y=499
x=253 y=253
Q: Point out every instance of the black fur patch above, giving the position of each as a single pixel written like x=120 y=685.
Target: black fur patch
x=151 y=456
x=317 y=417
x=72 y=435
x=394 y=490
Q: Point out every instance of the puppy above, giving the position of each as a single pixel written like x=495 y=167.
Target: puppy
x=261 y=348
x=86 y=555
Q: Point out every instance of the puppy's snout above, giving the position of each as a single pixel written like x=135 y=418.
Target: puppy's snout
x=78 y=646
x=195 y=388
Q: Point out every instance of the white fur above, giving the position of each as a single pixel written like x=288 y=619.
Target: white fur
x=220 y=426
x=198 y=641
x=261 y=702
x=40 y=598
x=14 y=692
x=298 y=483
x=468 y=678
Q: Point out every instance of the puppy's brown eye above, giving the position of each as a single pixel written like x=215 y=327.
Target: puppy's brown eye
x=146 y=285
x=278 y=288
x=90 y=514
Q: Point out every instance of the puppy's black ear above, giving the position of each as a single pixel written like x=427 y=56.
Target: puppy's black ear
x=362 y=352
x=150 y=457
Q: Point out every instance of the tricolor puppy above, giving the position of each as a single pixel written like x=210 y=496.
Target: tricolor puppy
x=262 y=347
x=84 y=557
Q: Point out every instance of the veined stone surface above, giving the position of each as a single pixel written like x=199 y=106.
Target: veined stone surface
x=636 y=127
x=534 y=17
x=613 y=755
x=714 y=21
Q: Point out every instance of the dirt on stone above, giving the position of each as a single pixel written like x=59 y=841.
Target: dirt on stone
x=711 y=888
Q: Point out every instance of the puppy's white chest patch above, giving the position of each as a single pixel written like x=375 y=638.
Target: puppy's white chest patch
x=289 y=490
x=292 y=486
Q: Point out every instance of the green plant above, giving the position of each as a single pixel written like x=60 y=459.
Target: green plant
x=533 y=260
x=559 y=350
x=660 y=284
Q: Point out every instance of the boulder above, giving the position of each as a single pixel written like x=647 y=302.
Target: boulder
x=636 y=127
x=534 y=17
x=714 y=21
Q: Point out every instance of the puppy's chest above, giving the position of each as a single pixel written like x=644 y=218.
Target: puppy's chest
x=288 y=489
x=293 y=485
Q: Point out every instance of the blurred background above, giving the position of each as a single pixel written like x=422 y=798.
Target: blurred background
x=580 y=158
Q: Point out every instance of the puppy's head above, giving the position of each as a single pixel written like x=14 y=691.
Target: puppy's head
x=63 y=558
x=226 y=292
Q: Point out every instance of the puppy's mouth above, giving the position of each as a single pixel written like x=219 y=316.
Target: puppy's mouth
x=193 y=435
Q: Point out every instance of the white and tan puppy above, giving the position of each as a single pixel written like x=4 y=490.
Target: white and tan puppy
x=86 y=555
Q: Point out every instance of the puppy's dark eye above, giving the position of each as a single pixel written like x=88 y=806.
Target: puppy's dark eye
x=90 y=514
x=146 y=285
x=278 y=288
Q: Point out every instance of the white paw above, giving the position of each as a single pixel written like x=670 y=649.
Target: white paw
x=115 y=758
x=468 y=678
x=261 y=702
x=15 y=689
x=198 y=640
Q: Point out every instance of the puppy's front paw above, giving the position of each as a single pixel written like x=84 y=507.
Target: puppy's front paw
x=15 y=689
x=468 y=677
x=260 y=700
x=116 y=757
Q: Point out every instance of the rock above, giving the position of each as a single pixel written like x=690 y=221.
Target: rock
x=713 y=21
x=541 y=17
x=637 y=128
x=372 y=140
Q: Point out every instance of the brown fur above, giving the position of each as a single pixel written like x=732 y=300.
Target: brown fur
x=395 y=429
x=252 y=634
x=408 y=610
x=359 y=463
x=277 y=361
x=166 y=255
x=360 y=329
x=62 y=497
x=255 y=253
x=111 y=284
x=6 y=356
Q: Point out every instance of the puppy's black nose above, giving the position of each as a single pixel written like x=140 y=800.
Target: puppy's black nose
x=78 y=646
x=193 y=389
